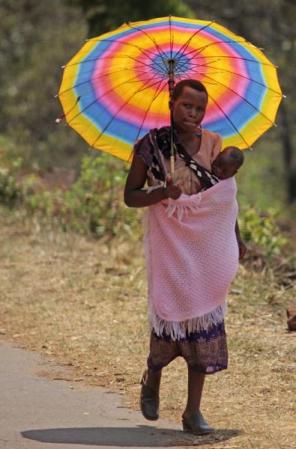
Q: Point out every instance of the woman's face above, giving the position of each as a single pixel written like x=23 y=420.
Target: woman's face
x=189 y=109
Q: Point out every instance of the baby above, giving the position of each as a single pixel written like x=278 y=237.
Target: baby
x=227 y=162
x=225 y=166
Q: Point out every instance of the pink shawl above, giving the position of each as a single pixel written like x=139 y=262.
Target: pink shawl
x=192 y=257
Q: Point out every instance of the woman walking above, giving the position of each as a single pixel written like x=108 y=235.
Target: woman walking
x=192 y=250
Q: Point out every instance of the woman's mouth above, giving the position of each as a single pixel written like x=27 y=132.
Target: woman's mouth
x=190 y=123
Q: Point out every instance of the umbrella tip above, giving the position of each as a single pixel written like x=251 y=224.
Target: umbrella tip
x=63 y=66
x=60 y=119
x=284 y=96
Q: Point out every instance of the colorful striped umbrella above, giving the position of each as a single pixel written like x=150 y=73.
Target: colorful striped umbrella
x=115 y=89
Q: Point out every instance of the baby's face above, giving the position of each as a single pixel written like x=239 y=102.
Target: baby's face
x=224 y=166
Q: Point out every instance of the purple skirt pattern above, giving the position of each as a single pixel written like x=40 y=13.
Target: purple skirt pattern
x=204 y=351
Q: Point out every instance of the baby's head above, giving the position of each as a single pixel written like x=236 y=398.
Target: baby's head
x=227 y=162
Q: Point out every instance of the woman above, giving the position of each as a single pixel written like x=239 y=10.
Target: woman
x=186 y=294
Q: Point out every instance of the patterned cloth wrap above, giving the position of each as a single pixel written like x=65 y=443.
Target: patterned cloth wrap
x=156 y=145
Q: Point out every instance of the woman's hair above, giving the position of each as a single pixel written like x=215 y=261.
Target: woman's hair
x=194 y=84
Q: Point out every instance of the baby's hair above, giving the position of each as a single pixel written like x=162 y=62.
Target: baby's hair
x=236 y=155
x=194 y=84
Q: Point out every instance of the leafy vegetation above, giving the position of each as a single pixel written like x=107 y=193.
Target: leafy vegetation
x=93 y=205
x=36 y=38
x=262 y=230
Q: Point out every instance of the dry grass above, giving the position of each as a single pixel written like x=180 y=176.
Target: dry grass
x=83 y=303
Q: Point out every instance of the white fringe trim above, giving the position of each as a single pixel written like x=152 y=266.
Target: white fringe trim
x=178 y=329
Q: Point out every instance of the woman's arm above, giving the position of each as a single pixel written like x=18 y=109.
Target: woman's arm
x=241 y=245
x=135 y=196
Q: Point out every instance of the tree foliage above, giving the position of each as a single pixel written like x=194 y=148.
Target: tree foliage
x=104 y=16
x=37 y=37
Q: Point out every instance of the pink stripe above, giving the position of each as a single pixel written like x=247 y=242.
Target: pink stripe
x=135 y=114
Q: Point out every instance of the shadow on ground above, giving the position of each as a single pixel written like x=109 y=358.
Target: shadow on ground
x=140 y=436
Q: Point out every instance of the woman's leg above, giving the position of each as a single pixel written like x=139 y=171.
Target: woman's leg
x=153 y=379
x=195 y=388
x=162 y=352
x=149 y=401
x=193 y=421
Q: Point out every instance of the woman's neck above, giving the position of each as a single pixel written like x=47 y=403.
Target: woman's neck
x=187 y=137
x=190 y=141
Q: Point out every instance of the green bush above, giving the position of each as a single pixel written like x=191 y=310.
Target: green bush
x=93 y=204
x=262 y=229
x=10 y=190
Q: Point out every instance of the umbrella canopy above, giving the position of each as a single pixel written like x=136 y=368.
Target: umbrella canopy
x=115 y=89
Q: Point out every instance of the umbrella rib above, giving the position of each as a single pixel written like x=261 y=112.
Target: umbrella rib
x=242 y=98
x=196 y=52
x=185 y=64
x=241 y=76
x=95 y=78
x=158 y=92
x=255 y=61
x=161 y=54
x=84 y=61
x=186 y=44
x=117 y=41
x=171 y=37
x=230 y=121
x=131 y=80
x=116 y=57
x=135 y=46
x=121 y=107
x=201 y=49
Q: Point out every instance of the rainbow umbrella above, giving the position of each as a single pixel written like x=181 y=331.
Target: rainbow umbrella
x=116 y=88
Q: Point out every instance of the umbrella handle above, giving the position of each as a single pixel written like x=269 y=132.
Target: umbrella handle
x=172 y=165
x=171 y=83
x=172 y=149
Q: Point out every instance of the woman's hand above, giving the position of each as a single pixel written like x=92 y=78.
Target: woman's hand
x=134 y=193
x=172 y=190
x=242 y=249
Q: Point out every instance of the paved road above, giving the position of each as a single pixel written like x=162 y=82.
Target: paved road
x=38 y=413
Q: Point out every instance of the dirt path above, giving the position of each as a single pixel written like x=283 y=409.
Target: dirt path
x=35 y=411
x=82 y=303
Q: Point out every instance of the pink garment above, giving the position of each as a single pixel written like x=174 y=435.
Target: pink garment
x=192 y=257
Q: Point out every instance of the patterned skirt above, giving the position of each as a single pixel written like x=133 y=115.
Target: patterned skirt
x=204 y=351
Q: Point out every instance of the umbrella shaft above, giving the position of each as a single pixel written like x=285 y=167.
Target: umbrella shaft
x=171 y=84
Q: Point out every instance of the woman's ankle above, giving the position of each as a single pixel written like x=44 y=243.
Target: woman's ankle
x=152 y=378
x=188 y=412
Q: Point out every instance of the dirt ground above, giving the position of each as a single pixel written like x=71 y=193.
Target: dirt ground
x=83 y=302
